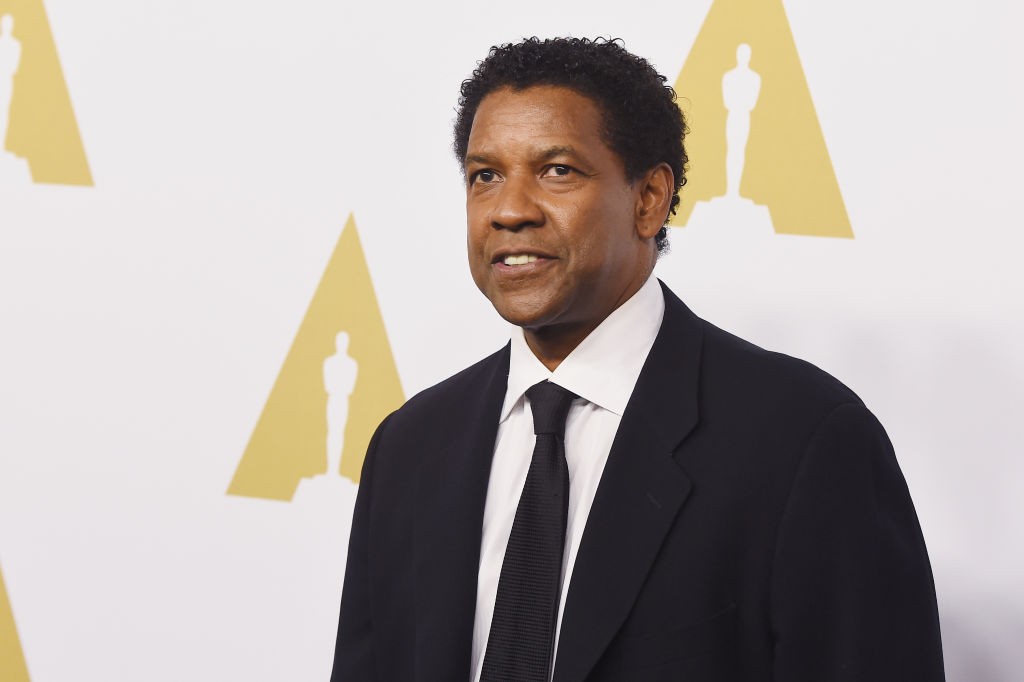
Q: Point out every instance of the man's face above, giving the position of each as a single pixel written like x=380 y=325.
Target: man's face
x=552 y=226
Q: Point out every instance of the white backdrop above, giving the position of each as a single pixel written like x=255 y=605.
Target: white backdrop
x=144 y=319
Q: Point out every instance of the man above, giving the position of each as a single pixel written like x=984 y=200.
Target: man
x=10 y=58
x=741 y=86
x=728 y=514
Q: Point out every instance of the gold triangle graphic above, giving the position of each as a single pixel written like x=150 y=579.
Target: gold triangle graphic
x=41 y=132
x=787 y=168
x=12 y=661
x=290 y=441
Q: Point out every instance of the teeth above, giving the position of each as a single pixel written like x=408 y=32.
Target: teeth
x=520 y=259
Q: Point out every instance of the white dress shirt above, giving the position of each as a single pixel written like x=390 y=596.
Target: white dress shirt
x=602 y=370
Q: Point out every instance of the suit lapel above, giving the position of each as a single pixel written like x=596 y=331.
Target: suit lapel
x=641 y=491
x=451 y=491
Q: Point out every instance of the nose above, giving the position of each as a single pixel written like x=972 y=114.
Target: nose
x=516 y=207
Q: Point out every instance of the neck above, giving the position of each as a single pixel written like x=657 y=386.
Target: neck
x=552 y=345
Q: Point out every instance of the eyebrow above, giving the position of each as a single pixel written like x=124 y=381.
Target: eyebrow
x=544 y=155
x=562 y=150
x=477 y=158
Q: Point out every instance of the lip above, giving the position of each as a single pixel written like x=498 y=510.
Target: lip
x=498 y=257
x=526 y=270
x=513 y=272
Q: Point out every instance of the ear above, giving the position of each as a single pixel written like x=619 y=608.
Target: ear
x=655 y=190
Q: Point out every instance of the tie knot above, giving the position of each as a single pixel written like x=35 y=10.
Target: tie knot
x=550 y=406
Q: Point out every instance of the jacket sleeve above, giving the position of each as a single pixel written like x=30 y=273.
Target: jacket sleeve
x=852 y=596
x=354 y=650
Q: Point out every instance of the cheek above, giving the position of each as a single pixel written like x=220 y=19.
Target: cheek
x=476 y=235
x=476 y=250
x=596 y=235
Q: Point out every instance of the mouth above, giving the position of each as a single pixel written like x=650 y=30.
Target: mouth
x=520 y=266
x=519 y=259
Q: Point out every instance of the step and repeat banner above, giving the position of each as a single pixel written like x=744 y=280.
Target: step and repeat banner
x=232 y=240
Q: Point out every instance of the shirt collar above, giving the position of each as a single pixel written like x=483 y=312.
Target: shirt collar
x=605 y=367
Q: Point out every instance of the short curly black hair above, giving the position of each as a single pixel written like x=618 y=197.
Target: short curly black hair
x=643 y=124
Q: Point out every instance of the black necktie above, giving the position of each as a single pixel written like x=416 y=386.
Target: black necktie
x=521 y=643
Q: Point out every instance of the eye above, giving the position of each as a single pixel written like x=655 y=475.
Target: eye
x=559 y=170
x=485 y=175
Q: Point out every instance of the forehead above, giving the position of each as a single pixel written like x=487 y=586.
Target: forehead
x=541 y=117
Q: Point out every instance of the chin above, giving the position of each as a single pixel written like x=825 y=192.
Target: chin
x=517 y=317
x=530 y=314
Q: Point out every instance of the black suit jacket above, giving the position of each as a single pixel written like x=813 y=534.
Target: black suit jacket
x=751 y=524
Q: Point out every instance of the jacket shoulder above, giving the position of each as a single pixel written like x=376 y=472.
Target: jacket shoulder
x=456 y=392
x=736 y=370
